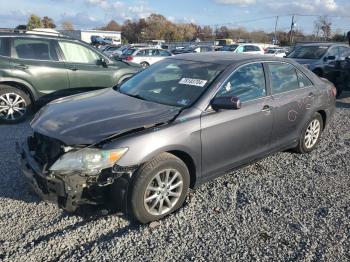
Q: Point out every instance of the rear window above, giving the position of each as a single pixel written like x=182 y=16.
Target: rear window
x=283 y=77
x=4 y=50
x=37 y=49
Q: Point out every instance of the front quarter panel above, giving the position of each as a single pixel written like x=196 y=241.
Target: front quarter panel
x=183 y=134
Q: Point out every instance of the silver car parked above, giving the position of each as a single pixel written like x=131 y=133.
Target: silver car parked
x=145 y=56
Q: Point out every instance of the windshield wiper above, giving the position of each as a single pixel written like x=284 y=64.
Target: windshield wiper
x=135 y=96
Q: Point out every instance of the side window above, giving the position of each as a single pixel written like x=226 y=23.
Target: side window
x=334 y=51
x=283 y=77
x=205 y=49
x=303 y=80
x=164 y=53
x=37 y=49
x=4 y=46
x=154 y=52
x=344 y=52
x=141 y=53
x=76 y=53
x=247 y=83
x=256 y=48
x=240 y=49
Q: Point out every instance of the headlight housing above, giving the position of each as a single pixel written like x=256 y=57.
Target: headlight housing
x=89 y=161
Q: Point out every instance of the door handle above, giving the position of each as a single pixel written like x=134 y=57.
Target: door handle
x=21 y=66
x=73 y=69
x=266 y=108
x=311 y=95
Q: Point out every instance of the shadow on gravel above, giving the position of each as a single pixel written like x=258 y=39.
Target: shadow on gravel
x=102 y=239
x=344 y=100
x=343 y=105
x=89 y=215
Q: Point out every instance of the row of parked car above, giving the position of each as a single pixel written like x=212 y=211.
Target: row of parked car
x=146 y=55
x=38 y=68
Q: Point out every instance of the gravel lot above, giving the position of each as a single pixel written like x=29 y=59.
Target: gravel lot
x=288 y=207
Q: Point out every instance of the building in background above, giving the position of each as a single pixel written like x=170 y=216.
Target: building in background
x=85 y=35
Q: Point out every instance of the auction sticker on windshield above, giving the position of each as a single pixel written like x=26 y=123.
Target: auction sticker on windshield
x=193 y=82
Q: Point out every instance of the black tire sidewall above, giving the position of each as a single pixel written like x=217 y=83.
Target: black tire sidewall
x=143 y=177
x=303 y=148
x=145 y=64
x=8 y=89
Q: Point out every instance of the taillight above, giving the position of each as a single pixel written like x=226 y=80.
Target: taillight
x=129 y=58
x=334 y=91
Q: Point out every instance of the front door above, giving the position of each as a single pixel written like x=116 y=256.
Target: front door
x=84 y=71
x=233 y=137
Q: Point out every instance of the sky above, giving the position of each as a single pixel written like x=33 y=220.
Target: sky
x=251 y=14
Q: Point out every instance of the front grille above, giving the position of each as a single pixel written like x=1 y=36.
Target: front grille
x=46 y=149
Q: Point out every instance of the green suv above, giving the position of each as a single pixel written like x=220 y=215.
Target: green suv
x=39 y=68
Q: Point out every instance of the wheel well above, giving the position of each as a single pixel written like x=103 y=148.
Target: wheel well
x=187 y=159
x=21 y=87
x=324 y=117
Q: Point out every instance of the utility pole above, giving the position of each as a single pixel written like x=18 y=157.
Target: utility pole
x=276 y=30
x=291 y=30
x=215 y=29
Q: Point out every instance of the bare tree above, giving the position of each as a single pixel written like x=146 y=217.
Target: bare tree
x=67 y=25
x=323 y=25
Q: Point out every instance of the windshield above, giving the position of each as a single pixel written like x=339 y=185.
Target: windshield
x=229 y=47
x=172 y=82
x=309 y=52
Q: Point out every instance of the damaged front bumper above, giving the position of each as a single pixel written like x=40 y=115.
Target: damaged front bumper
x=70 y=191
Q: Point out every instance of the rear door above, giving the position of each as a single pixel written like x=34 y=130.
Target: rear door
x=84 y=71
x=35 y=61
x=293 y=99
x=233 y=137
x=5 y=69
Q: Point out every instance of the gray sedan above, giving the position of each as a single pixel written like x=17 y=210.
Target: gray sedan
x=188 y=119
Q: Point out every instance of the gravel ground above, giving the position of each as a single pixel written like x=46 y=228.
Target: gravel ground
x=288 y=207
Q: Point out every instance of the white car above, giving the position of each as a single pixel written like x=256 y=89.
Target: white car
x=276 y=52
x=244 y=48
x=145 y=56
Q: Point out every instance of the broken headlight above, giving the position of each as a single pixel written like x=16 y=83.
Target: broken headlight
x=89 y=160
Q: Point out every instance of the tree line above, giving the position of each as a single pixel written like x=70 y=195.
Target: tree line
x=158 y=27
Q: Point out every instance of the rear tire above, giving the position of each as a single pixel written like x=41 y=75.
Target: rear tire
x=14 y=105
x=145 y=64
x=311 y=134
x=158 y=188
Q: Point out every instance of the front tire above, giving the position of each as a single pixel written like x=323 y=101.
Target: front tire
x=310 y=135
x=159 y=188
x=14 y=105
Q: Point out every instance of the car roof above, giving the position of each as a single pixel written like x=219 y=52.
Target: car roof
x=223 y=57
x=37 y=35
x=321 y=44
x=147 y=47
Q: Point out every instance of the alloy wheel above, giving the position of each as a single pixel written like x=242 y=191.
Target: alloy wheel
x=312 y=133
x=163 y=192
x=12 y=106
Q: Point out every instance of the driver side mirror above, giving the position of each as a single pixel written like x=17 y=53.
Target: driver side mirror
x=331 y=57
x=102 y=61
x=226 y=102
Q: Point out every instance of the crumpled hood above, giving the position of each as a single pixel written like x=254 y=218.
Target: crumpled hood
x=91 y=117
